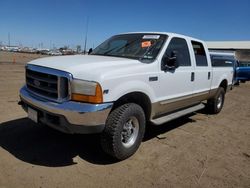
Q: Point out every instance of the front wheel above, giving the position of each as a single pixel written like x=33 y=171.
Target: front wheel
x=124 y=131
x=215 y=104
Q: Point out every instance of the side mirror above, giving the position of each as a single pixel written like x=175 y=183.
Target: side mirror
x=90 y=50
x=170 y=63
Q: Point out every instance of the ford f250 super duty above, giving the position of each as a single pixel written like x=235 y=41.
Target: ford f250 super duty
x=128 y=81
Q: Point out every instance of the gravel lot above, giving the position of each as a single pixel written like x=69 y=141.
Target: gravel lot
x=195 y=151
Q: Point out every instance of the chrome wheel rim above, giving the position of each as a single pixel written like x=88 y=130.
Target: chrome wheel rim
x=130 y=132
x=219 y=102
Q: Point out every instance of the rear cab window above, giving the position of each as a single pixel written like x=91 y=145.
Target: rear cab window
x=200 y=54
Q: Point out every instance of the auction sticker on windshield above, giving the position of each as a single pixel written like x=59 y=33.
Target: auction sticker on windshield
x=146 y=44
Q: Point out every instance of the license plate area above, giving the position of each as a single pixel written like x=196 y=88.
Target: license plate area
x=32 y=114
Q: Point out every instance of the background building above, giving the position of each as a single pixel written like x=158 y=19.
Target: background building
x=241 y=48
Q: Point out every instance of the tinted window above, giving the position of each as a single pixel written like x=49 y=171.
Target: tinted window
x=222 y=61
x=200 y=54
x=244 y=64
x=179 y=46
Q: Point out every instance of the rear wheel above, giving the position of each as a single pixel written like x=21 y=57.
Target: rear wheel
x=215 y=104
x=124 y=131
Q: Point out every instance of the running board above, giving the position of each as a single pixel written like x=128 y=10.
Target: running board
x=178 y=114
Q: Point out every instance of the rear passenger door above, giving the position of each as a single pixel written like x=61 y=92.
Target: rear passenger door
x=203 y=71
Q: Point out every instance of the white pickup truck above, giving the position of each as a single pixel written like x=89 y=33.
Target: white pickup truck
x=128 y=81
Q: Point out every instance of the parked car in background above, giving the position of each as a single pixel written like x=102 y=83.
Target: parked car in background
x=55 y=52
x=42 y=51
x=243 y=71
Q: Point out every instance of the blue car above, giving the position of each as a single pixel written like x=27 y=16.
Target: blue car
x=243 y=72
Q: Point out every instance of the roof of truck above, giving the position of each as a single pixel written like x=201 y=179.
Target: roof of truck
x=165 y=33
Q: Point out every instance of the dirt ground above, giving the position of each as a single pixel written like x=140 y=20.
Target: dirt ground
x=195 y=151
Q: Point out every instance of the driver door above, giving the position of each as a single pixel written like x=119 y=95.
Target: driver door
x=177 y=84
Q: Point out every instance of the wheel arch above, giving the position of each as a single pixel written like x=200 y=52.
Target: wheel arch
x=224 y=84
x=139 y=98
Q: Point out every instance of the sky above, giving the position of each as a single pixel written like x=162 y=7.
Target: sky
x=57 y=23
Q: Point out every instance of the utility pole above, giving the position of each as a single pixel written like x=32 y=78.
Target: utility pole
x=86 y=35
x=9 y=38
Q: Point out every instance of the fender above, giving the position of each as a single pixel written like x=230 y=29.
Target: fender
x=129 y=87
x=218 y=78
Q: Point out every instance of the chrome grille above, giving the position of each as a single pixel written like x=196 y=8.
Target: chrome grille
x=48 y=83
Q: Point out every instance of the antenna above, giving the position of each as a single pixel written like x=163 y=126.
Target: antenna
x=86 y=35
x=9 y=38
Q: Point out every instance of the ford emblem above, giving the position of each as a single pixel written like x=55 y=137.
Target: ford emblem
x=37 y=83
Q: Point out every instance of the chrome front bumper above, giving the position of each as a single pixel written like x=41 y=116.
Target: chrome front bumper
x=69 y=116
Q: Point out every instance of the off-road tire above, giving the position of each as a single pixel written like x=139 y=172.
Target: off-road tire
x=111 y=138
x=215 y=104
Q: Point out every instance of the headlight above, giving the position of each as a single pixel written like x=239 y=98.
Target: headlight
x=85 y=91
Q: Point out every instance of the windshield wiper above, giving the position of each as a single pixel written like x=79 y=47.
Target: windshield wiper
x=143 y=56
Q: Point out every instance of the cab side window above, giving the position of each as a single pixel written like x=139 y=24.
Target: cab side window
x=200 y=54
x=179 y=47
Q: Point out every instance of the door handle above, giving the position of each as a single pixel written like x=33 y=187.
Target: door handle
x=209 y=75
x=192 y=76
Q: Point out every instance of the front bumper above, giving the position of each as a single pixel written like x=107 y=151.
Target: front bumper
x=70 y=116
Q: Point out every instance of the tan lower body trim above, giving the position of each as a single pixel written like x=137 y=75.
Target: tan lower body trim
x=170 y=105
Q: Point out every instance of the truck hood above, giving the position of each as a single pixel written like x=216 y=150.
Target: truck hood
x=89 y=67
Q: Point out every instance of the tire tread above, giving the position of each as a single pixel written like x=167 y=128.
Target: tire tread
x=111 y=131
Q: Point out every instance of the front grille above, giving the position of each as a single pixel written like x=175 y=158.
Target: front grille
x=45 y=84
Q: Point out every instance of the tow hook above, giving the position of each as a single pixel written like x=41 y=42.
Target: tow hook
x=20 y=103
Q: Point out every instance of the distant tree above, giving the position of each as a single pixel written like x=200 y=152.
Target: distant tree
x=63 y=48
x=78 y=48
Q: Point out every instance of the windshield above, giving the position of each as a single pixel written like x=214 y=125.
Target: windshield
x=144 y=47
